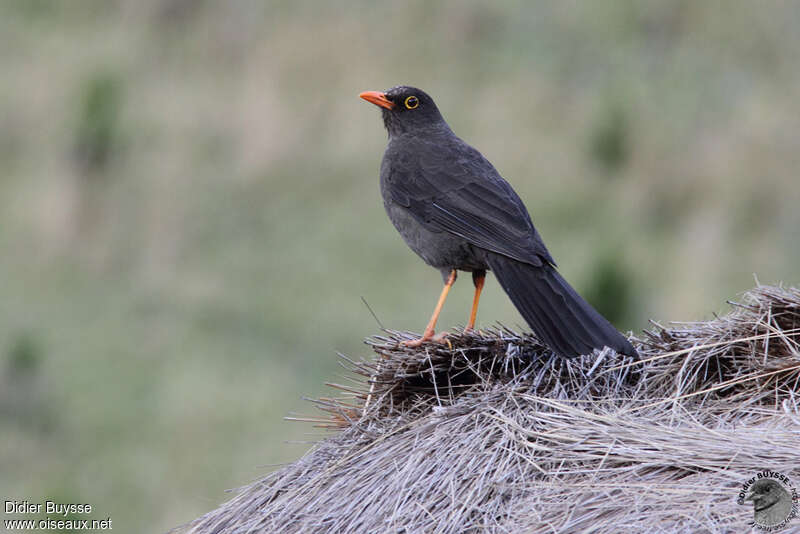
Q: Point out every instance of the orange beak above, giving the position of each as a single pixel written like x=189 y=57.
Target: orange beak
x=377 y=98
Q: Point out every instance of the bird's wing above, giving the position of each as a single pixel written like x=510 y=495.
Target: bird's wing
x=453 y=188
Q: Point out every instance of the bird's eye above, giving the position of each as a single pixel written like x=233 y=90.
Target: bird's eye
x=412 y=102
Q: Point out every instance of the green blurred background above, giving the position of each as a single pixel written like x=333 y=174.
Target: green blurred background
x=190 y=215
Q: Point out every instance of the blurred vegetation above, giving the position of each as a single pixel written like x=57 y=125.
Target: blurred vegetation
x=611 y=289
x=189 y=212
x=23 y=356
x=609 y=139
x=97 y=130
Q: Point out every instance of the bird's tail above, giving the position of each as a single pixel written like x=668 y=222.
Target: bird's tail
x=554 y=310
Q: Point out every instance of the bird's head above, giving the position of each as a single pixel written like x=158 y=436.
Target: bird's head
x=405 y=109
x=765 y=493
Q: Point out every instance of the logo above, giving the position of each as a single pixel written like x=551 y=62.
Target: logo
x=774 y=499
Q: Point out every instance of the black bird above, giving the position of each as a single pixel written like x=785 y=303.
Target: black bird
x=457 y=213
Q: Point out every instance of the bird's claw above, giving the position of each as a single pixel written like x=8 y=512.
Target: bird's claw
x=470 y=330
x=428 y=336
x=442 y=339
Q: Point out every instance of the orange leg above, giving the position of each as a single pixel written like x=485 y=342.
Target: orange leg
x=478 y=277
x=429 y=330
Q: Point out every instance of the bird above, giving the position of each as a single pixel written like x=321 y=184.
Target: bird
x=772 y=504
x=452 y=208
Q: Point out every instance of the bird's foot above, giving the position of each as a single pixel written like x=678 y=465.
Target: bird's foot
x=429 y=335
x=471 y=330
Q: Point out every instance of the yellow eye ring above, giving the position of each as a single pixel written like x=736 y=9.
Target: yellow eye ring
x=412 y=102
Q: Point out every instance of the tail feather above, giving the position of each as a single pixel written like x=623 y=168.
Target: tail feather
x=554 y=310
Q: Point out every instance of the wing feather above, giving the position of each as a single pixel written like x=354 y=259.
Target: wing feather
x=454 y=189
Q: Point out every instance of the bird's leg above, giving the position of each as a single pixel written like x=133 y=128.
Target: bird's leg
x=478 y=277
x=429 y=330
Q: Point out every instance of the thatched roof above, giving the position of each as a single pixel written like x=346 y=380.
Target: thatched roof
x=494 y=434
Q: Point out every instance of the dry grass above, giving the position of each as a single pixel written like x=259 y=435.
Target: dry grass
x=494 y=434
